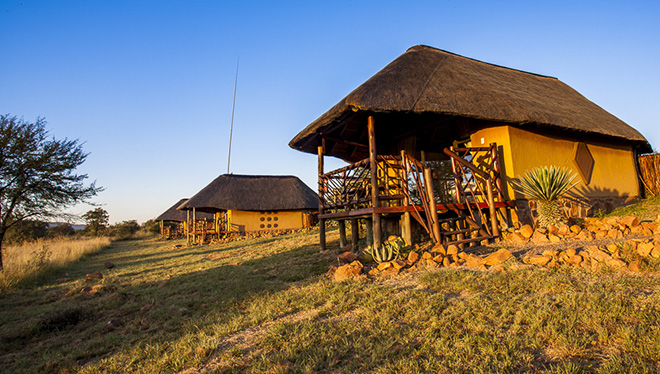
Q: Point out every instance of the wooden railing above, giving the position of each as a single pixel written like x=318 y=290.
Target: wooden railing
x=403 y=181
x=477 y=180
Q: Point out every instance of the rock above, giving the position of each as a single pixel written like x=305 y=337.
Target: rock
x=571 y=252
x=552 y=229
x=526 y=231
x=427 y=256
x=347 y=257
x=655 y=253
x=498 y=257
x=109 y=265
x=399 y=264
x=348 y=248
x=598 y=255
x=538 y=237
x=462 y=255
x=551 y=253
x=392 y=238
x=564 y=230
x=373 y=272
x=348 y=272
x=635 y=266
x=473 y=261
x=645 y=249
x=439 y=248
x=383 y=265
x=390 y=272
x=537 y=260
x=585 y=235
x=413 y=257
x=616 y=263
x=575 y=229
x=446 y=261
x=517 y=237
x=439 y=258
x=554 y=238
x=430 y=263
x=630 y=221
x=452 y=249
x=93 y=276
x=575 y=260
x=614 y=234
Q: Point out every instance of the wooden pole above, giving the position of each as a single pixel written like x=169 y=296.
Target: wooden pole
x=161 y=227
x=375 y=217
x=406 y=228
x=187 y=228
x=355 y=234
x=491 y=209
x=342 y=233
x=428 y=182
x=370 y=231
x=321 y=150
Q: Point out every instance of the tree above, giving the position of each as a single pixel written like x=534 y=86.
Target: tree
x=37 y=173
x=124 y=230
x=60 y=231
x=97 y=221
x=25 y=231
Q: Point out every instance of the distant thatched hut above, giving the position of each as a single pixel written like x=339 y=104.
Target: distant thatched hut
x=457 y=115
x=173 y=222
x=243 y=203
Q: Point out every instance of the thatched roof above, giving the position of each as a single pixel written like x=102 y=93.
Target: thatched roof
x=174 y=215
x=255 y=193
x=426 y=80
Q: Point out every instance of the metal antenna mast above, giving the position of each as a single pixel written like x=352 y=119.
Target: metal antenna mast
x=233 y=106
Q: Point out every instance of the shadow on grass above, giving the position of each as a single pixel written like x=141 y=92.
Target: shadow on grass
x=157 y=308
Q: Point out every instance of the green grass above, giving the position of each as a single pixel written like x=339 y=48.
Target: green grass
x=262 y=305
x=644 y=209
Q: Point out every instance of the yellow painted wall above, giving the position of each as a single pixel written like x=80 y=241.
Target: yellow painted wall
x=242 y=220
x=614 y=165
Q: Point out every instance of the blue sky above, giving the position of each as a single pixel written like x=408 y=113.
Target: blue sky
x=148 y=85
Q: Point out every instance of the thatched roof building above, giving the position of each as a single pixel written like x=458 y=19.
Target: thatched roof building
x=253 y=193
x=428 y=88
x=175 y=215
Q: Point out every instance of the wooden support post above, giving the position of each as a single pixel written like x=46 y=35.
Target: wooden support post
x=406 y=227
x=321 y=187
x=342 y=233
x=161 y=227
x=435 y=225
x=355 y=234
x=187 y=228
x=375 y=217
x=194 y=225
x=491 y=209
x=370 y=232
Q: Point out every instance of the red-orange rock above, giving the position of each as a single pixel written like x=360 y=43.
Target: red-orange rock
x=498 y=257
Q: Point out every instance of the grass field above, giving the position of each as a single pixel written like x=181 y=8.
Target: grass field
x=263 y=305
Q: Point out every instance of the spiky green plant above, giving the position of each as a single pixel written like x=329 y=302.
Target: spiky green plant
x=546 y=185
x=388 y=251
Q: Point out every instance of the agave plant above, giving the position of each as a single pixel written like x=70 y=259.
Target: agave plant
x=546 y=185
x=388 y=251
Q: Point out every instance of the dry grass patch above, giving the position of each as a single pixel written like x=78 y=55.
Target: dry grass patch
x=27 y=261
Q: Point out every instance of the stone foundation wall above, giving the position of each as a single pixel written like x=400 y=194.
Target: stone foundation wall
x=525 y=210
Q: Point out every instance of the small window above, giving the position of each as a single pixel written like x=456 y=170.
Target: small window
x=274 y=218
x=275 y=225
x=269 y=218
x=261 y=219
x=269 y=225
x=261 y=226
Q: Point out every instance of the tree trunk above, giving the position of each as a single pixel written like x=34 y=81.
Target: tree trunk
x=2 y=238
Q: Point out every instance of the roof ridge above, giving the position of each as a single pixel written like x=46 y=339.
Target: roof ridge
x=423 y=46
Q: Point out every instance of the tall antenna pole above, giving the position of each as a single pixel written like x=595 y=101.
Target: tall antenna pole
x=233 y=106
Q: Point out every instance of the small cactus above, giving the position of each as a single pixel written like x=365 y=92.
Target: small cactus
x=388 y=251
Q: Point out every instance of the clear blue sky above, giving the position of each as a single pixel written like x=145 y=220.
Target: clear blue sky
x=148 y=85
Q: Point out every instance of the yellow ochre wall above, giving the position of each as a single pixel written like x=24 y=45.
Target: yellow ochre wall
x=242 y=220
x=614 y=165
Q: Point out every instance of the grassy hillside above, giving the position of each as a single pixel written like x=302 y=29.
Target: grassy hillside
x=263 y=305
